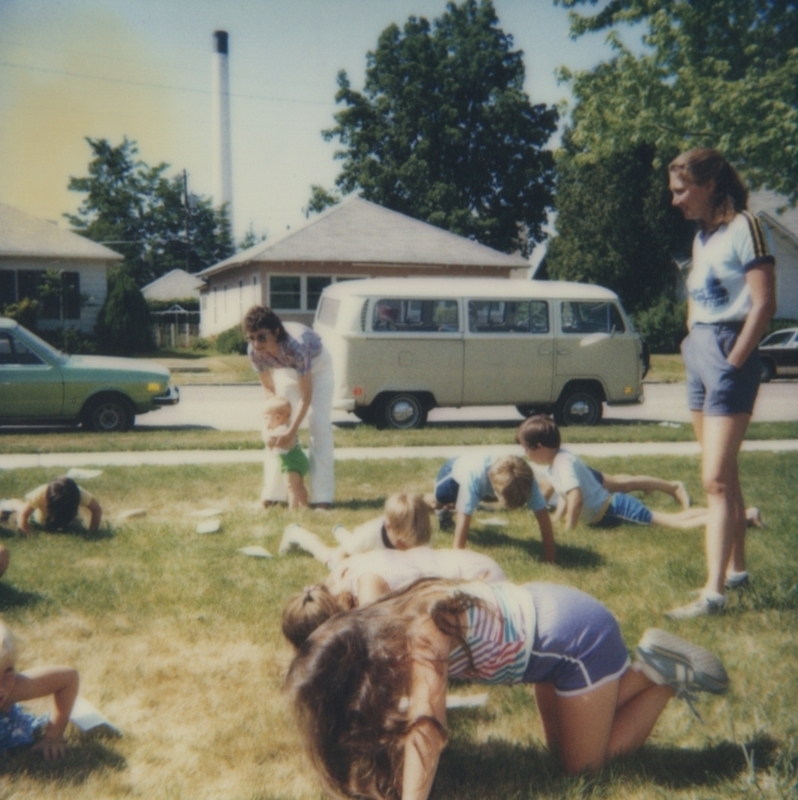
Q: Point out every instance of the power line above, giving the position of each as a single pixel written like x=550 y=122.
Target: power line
x=162 y=86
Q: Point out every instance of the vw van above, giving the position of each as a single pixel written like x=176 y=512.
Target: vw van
x=402 y=346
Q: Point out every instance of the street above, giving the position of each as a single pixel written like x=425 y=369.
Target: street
x=237 y=407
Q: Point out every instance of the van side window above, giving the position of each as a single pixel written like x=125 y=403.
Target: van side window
x=585 y=317
x=508 y=316
x=414 y=316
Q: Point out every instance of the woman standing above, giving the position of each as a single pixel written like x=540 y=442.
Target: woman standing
x=732 y=297
x=293 y=356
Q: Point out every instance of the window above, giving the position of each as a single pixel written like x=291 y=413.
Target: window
x=316 y=285
x=8 y=287
x=508 y=316
x=298 y=292
x=12 y=351
x=415 y=316
x=57 y=302
x=584 y=317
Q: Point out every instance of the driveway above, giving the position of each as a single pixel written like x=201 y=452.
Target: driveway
x=237 y=407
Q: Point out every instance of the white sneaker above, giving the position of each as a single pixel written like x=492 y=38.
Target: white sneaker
x=736 y=580
x=288 y=542
x=707 y=603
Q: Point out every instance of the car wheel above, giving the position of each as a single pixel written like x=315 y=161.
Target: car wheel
x=578 y=407
x=403 y=411
x=768 y=370
x=109 y=415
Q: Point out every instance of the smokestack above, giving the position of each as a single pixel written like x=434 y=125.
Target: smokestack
x=220 y=93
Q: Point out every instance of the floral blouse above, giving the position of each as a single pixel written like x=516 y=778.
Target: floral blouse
x=300 y=347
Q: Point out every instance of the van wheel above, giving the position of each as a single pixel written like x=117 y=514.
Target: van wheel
x=578 y=407
x=402 y=411
x=364 y=413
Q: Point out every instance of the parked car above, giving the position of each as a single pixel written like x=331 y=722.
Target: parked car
x=41 y=385
x=402 y=346
x=779 y=353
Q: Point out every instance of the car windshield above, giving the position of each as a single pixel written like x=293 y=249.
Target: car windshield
x=41 y=346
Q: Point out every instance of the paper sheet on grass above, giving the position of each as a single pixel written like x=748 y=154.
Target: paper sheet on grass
x=132 y=513
x=209 y=526
x=80 y=474
x=466 y=700
x=255 y=550
x=493 y=521
x=89 y=720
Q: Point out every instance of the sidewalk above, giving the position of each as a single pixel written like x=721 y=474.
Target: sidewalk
x=173 y=457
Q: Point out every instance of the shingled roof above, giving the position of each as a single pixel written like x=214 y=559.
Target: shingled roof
x=775 y=209
x=361 y=232
x=27 y=236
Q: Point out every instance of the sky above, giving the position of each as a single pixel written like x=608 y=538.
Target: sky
x=71 y=69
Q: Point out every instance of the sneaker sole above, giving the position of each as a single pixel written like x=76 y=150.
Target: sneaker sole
x=697 y=669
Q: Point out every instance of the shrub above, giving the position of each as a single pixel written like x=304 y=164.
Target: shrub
x=70 y=340
x=123 y=324
x=663 y=325
x=231 y=341
x=25 y=312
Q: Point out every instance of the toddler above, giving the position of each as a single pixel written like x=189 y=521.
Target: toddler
x=294 y=463
x=20 y=728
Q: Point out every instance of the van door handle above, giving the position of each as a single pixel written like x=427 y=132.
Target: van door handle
x=563 y=351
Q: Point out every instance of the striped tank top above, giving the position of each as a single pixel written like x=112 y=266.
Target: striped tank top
x=499 y=635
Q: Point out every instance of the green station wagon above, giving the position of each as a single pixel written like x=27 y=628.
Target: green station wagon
x=41 y=385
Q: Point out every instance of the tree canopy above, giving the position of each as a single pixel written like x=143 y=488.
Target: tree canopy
x=719 y=73
x=148 y=218
x=444 y=132
x=616 y=226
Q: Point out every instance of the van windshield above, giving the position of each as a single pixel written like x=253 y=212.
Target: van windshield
x=414 y=316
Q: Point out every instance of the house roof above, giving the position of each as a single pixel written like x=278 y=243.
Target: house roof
x=361 y=232
x=27 y=236
x=175 y=285
x=775 y=209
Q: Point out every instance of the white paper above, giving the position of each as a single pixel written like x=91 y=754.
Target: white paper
x=492 y=521
x=87 y=718
x=131 y=513
x=209 y=526
x=207 y=512
x=79 y=474
x=255 y=550
x=466 y=700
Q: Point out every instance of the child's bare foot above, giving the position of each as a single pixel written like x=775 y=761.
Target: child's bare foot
x=682 y=495
x=754 y=518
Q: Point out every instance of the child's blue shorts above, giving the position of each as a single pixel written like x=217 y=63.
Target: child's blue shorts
x=578 y=645
x=714 y=387
x=624 y=508
x=446 y=487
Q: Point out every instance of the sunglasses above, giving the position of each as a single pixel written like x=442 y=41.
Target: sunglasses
x=259 y=337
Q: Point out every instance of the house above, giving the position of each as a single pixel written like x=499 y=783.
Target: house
x=30 y=247
x=173 y=287
x=782 y=223
x=354 y=239
x=174 y=299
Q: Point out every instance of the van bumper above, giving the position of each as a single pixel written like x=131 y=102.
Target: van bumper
x=631 y=401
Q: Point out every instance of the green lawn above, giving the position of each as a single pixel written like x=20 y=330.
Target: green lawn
x=176 y=636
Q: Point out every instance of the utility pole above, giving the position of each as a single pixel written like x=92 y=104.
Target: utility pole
x=185 y=202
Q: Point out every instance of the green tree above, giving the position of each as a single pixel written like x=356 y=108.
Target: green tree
x=721 y=73
x=320 y=199
x=616 y=226
x=444 y=132
x=123 y=324
x=147 y=217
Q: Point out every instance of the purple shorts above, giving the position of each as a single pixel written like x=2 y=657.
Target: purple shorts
x=714 y=387
x=578 y=644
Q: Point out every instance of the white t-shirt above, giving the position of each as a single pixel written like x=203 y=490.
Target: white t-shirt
x=569 y=472
x=400 y=568
x=716 y=283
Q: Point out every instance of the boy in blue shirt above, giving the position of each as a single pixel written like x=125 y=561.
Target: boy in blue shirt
x=465 y=481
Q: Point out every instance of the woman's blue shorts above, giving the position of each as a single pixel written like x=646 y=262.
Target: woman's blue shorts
x=578 y=644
